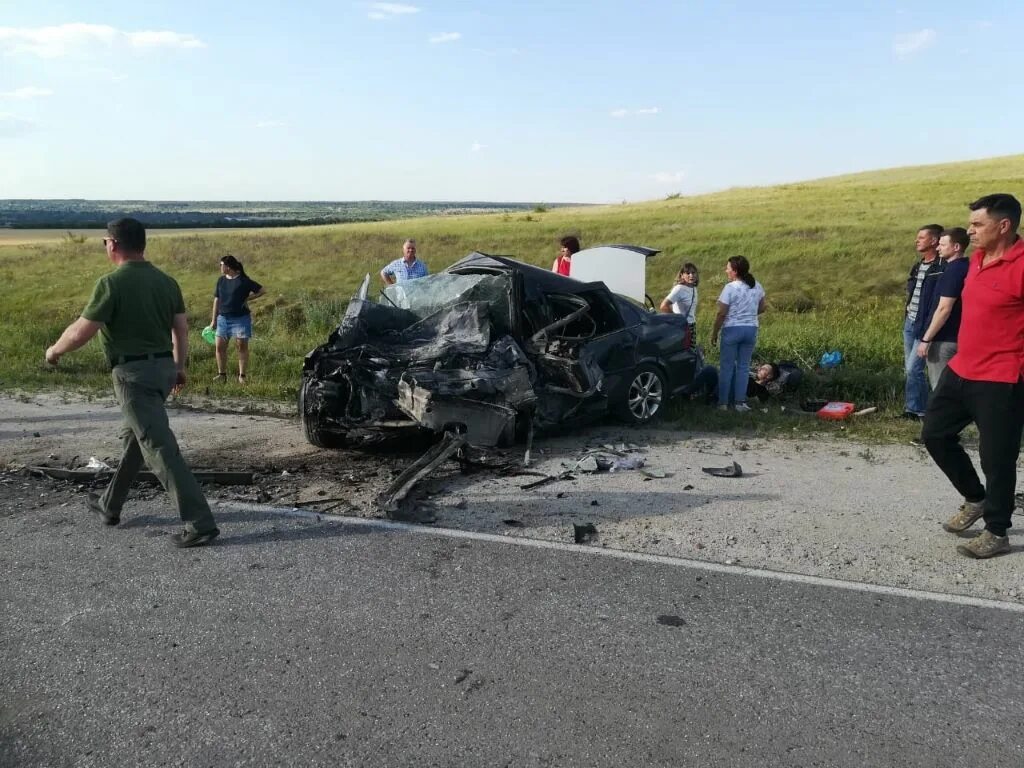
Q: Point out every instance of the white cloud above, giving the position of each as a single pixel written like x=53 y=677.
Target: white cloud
x=385 y=11
x=913 y=42
x=669 y=177
x=271 y=124
x=477 y=146
x=446 y=37
x=163 y=39
x=28 y=92
x=64 y=39
x=12 y=125
x=625 y=112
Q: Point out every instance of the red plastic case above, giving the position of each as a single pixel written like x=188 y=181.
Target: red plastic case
x=836 y=411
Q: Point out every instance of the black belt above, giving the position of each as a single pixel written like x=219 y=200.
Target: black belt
x=136 y=358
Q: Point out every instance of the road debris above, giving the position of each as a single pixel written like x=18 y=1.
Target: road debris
x=733 y=471
x=390 y=499
x=627 y=462
x=567 y=475
x=607 y=458
x=145 y=476
x=585 y=533
x=654 y=474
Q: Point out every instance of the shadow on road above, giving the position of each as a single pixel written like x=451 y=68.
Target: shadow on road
x=297 y=529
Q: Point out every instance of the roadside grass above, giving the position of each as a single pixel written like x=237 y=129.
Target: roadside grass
x=832 y=254
x=775 y=420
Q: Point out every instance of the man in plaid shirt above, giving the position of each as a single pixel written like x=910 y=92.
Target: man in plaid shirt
x=406 y=268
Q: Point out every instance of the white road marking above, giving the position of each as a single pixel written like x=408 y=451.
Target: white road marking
x=620 y=554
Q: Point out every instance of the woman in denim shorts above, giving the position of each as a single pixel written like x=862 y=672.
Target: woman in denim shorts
x=231 y=315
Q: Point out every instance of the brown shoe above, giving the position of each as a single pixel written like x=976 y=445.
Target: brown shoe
x=970 y=512
x=985 y=545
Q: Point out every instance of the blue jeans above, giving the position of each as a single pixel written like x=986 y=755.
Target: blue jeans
x=704 y=383
x=737 y=347
x=916 y=395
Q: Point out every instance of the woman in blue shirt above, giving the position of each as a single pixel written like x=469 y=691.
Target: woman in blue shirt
x=231 y=315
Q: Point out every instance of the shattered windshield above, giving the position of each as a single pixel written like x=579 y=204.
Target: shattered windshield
x=427 y=295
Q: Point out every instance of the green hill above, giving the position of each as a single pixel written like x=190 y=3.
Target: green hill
x=832 y=254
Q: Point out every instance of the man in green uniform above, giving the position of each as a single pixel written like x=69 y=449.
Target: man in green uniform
x=139 y=313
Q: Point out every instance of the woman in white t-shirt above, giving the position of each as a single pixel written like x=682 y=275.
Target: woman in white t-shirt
x=739 y=305
x=682 y=299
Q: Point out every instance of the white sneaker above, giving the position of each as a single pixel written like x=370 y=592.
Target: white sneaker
x=742 y=407
x=723 y=407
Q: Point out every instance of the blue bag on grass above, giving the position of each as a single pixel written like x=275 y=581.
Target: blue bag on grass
x=831 y=359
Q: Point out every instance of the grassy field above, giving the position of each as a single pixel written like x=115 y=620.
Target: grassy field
x=832 y=254
x=52 y=236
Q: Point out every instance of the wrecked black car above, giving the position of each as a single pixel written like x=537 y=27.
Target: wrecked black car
x=492 y=349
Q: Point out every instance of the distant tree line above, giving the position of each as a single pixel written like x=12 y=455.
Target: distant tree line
x=94 y=214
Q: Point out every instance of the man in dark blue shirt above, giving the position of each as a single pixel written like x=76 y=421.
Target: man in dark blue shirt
x=939 y=326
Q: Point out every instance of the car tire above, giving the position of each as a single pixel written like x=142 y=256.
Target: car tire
x=312 y=424
x=645 y=396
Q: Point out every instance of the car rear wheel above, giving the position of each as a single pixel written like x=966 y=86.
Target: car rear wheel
x=312 y=422
x=645 y=396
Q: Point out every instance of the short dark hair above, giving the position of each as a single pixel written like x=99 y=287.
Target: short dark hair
x=959 y=236
x=571 y=242
x=776 y=371
x=934 y=229
x=1000 y=206
x=129 y=233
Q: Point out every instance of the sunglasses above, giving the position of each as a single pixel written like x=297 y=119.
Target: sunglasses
x=107 y=240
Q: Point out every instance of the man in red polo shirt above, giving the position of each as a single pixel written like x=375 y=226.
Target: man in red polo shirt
x=982 y=383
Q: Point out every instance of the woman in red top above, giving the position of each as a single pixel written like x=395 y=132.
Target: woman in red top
x=569 y=246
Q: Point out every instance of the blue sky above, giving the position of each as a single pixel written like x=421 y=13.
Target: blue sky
x=598 y=101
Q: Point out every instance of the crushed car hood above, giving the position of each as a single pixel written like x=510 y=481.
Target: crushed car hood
x=442 y=353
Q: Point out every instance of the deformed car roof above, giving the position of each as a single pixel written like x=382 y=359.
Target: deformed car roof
x=536 y=277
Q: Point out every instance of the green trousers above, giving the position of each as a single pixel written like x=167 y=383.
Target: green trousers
x=141 y=388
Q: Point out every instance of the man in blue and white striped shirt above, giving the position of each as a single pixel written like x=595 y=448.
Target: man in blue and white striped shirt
x=406 y=268
x=916 y=389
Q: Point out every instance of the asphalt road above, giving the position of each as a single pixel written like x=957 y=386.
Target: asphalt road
x=297 y=642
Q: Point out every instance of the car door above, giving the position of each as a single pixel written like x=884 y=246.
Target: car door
x=614 y=343
x=662 y=339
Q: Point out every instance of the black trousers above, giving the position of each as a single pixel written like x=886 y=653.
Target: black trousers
x=998 y=410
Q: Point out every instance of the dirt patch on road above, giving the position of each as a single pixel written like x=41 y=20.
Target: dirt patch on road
x=817 y=507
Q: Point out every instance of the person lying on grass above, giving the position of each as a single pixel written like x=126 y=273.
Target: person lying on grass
x=760 y=383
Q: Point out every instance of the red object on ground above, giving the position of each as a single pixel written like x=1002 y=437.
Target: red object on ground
x=836 y=411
